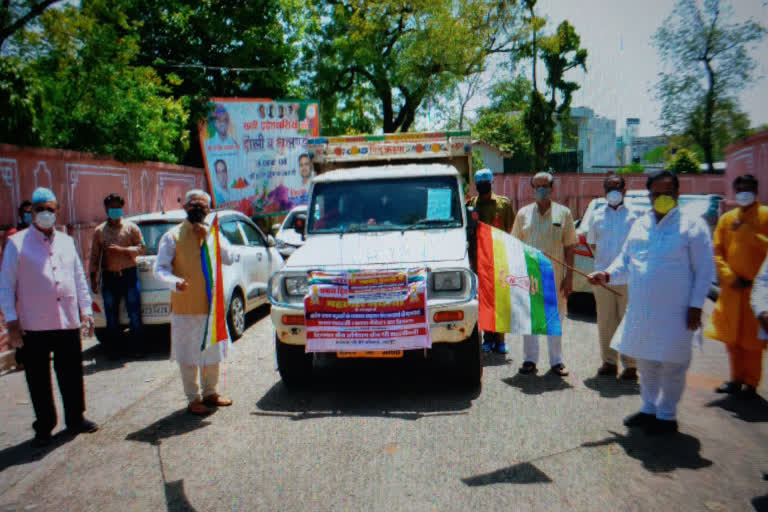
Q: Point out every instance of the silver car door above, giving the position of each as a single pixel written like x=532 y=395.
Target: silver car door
x=258 y=262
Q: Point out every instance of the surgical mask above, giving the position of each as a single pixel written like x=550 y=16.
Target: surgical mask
x=483 y=187
x=664 y=204
x=27 y=218
x=542 y=193
x=45 y=219
x=745 y=198
x=196 y=214
x=614 y=197
x=115 y=213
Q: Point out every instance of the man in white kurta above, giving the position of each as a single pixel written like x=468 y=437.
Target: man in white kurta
x=669 y=263
x=760 y=300
x=179 y=266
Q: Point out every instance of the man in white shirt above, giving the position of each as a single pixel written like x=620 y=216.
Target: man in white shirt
x=760 y=301
x=607 y=232
x=670 y=265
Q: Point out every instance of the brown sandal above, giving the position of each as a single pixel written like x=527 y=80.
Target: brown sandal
x=198 y=408
x=215 y=400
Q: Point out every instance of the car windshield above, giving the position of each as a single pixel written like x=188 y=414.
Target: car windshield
x=384 y=205
x=152 y=232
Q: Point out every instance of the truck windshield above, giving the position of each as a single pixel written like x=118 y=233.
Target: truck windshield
x=386 y=205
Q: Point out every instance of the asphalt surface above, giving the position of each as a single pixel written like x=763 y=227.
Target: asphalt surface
x=387 y=435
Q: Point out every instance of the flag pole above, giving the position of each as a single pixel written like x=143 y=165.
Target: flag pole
x=580 y=273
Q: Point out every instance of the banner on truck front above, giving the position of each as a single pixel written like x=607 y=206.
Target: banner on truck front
x=367 y=311
x=255 y=153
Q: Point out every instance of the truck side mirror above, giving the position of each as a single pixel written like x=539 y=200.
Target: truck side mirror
x=299 y=224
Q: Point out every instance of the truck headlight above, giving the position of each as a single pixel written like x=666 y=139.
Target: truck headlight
x=296 y=286
x=447 y=281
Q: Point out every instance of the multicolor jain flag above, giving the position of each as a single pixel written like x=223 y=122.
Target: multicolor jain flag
x=516 y=285
x=216 y=323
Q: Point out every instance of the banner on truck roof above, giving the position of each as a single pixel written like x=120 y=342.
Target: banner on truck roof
x=367 y=311
x=394 y=146
x=255 y=153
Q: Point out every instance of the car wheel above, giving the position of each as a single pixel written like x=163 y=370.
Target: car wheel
x=236 y=316
x=294 y=365
x=468 y=360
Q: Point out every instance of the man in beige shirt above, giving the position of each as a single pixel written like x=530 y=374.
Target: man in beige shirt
x=117 y=243
x=549 y=227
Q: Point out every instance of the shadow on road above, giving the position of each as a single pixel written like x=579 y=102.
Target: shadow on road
x=760 y=503
x=369 y=391
x=26 y=452
x=175 y=424
x=494 y=359
x=523 y=473
x=751 y=410
x=537 y=384
x=658 y=454
x=176 y=498
x=610 y=387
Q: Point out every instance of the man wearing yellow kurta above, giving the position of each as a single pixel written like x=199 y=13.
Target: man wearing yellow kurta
x=741 y=243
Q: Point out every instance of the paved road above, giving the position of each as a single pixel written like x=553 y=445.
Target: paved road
x=388 y=437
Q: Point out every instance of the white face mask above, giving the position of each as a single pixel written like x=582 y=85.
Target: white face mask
x=745 y=198
x=45 y=220
x=614 y=197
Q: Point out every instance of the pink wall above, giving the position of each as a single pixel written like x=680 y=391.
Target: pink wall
x=577 y=190
x=749 y=156
x=81 y=181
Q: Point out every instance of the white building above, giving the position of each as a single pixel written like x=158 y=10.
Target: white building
x=597 y=140
x=493 y=157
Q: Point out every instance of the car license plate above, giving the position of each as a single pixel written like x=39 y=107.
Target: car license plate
x=155 y=310
x=377 y=354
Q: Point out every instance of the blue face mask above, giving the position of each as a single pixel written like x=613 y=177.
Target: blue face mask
x=115 y=213
x=27 y=218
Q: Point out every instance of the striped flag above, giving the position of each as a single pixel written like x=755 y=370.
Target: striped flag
x=517 y=285
x=216 y=322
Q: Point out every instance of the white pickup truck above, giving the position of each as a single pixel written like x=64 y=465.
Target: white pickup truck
x=379 y=217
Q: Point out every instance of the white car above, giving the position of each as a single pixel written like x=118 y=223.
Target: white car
x=288 y=238
x=256 y=259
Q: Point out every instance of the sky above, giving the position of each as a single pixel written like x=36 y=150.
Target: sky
x=623 y=65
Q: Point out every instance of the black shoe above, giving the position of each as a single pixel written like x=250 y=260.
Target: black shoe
x=629 y=375
x=608 y=370
x=559 y=369
x=729 y=387
x=84 y=427
x=661 y=427
x=749 y=392
x=639 y=419
x=528 y=367
x=41 y=440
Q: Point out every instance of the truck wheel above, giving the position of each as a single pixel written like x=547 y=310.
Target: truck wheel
x=468 y=360
x=294 y=365
x=236 y=316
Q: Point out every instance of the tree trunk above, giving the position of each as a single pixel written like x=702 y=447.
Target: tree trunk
x=709 y=109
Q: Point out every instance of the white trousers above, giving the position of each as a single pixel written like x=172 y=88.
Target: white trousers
x=531 y=349
x=209 y=379
x=661 y=387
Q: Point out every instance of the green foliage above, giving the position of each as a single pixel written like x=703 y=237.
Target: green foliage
x=477 y=160
x=392 y=55
x=711 y=65
x=633 y=168
x=20 y=101
x=685 y=162
x=17 y=14
x=655 y=156
x=94 y=98
x=501 y=123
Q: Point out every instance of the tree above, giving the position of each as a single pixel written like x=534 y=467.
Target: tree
x=560 y=53
x=94 y=97
x=501 y=123
x=709 y=63
x=402 y=51
x=16 y=14
x=21 y=99
x=684 y=162
x=633 y=168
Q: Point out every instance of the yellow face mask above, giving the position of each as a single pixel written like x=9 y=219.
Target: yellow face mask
x=663 y=204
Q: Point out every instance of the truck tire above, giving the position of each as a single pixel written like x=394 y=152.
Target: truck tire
x=469 y=362
x=294 y=365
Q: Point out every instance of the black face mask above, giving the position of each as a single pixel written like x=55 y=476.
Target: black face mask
x=483 y=187
x=195 y=214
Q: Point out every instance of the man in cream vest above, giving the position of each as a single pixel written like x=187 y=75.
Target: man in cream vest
x=180 y=267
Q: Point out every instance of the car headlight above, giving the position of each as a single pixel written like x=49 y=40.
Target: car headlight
x=447 y=281
x=296 y=286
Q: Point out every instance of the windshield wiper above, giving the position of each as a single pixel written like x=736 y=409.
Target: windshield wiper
x=427 y=222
